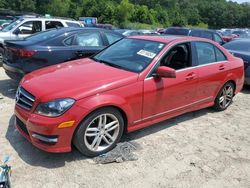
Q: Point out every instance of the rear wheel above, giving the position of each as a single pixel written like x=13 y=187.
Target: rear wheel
x=224 y=97
x=99 y=132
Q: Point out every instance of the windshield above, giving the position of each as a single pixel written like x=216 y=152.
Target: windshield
x=130 y=54
x=11 y=25
x=42 y=36
x=238 y=45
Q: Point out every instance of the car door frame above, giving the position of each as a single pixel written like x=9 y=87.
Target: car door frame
x=149 y=77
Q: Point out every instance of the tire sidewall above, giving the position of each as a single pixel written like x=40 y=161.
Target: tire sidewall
x=78 y=139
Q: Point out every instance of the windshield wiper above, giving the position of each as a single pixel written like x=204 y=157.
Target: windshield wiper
x=111 y=64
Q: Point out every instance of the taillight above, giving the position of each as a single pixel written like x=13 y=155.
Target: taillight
x=26 y=53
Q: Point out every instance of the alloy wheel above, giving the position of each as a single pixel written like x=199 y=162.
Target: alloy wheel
x=101 y=132
x=226 y=96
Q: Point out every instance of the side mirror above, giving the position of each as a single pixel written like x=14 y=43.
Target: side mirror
x=17 y=31
x=165 y=72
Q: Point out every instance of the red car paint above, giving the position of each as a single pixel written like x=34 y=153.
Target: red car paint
x=144 y=101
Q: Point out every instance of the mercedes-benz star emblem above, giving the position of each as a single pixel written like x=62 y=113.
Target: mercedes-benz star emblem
x=17 y=94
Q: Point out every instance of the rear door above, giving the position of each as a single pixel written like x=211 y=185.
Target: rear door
x=212 y=68
x=87 y=43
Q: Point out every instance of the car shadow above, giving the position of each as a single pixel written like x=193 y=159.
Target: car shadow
x=246 y=89
x=8 y=88
x=35 y=157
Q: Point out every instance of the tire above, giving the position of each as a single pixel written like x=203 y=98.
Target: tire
x=99 y=132
x=225 y=97
x=1 y=56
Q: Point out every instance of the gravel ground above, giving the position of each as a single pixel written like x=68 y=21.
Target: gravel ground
x=198 y=149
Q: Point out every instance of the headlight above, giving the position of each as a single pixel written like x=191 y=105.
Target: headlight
x=54 y=108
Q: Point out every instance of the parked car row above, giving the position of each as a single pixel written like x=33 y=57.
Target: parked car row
x=28 y=25
x=54 y=46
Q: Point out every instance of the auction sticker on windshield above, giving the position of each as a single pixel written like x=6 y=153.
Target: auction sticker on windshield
x=146 y=53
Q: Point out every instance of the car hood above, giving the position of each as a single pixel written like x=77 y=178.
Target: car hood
x=76 y=79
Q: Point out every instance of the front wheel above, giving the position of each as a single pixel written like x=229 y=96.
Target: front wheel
x=99 y=132
x=224 y=97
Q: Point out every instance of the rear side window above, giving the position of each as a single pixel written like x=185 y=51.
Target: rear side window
x=69 y=41
x=72 y=24
x=217 y=38
x=53 y=24
x=205 y=53
x=89 y=39
x=112 y=37
x=219 y=55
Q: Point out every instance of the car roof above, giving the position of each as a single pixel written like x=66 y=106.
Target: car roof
x=169 y=38
x=62 y=30
x=44 y=18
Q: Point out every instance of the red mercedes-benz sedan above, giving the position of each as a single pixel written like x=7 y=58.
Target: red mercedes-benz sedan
x=134 y=83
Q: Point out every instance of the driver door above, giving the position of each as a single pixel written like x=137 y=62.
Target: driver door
x=28 y=28
x=166 y=96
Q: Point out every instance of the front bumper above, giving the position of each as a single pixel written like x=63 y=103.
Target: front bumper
x=43 y=132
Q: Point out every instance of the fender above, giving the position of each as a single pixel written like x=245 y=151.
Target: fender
x=102 y=100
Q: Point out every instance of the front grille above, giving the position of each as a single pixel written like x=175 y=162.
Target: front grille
x=21 y=125
x=24 y=99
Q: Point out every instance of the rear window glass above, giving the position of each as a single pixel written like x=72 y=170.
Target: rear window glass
x=239 y=45
x=177 y=31
x=42 y=36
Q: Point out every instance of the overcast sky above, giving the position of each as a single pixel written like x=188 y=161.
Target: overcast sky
x=241 y=1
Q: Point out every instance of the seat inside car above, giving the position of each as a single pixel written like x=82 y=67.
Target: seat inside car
x=178 y=58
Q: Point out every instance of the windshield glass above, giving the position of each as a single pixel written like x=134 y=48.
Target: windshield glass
x=42 y=36
x=11 y=25
x=130 y=54
x=238 y=45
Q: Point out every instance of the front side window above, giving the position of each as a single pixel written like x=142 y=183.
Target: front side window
x=89 y=39
x=205 y=53
x=130 y=54
x=53 y=24
x=30 y=27
x=179 y=57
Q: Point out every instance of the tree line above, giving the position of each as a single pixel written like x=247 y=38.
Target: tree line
x=143 y=13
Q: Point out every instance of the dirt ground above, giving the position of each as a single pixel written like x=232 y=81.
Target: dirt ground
x=198 y=149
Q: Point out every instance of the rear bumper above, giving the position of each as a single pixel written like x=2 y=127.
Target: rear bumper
x=13 y=72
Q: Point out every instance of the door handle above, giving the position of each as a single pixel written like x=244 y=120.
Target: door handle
x=190 y=76
x=221 y=67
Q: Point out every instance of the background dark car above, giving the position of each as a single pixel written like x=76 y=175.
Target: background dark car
x=241 y=48
x=52 y=47
x=203 y=33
